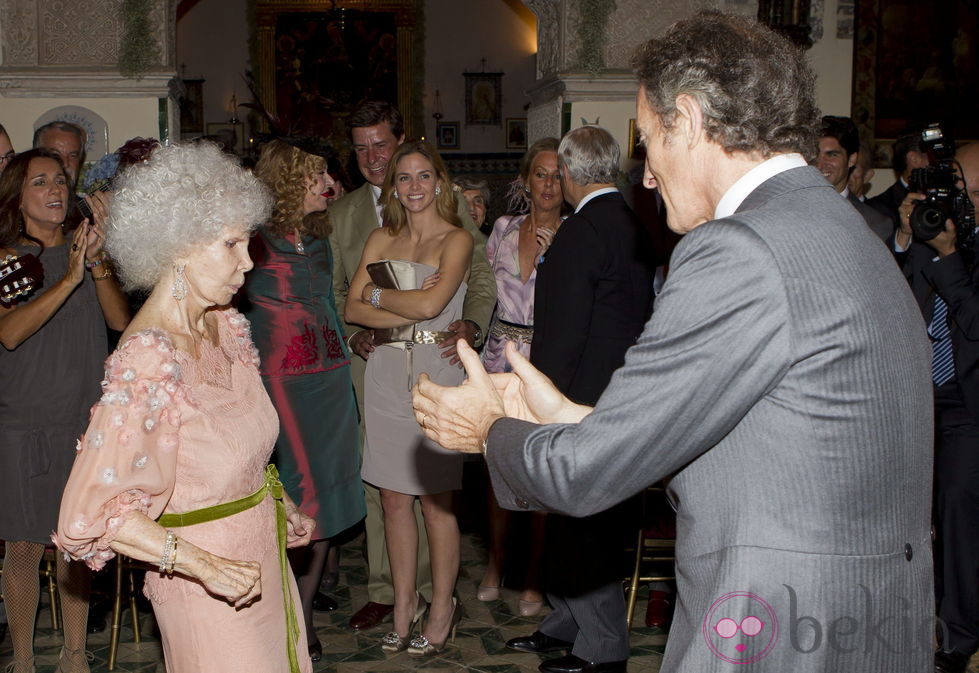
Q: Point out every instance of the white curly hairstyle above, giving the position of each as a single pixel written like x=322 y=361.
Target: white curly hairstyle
x=181 y=198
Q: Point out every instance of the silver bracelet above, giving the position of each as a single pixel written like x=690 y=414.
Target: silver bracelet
x=169 y=553
x=376 y=297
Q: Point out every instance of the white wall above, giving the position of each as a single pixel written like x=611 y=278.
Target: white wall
x=125 y=117
x=212 y=41
x=458 y=34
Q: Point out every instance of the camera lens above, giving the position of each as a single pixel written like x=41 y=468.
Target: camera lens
x=928 y=218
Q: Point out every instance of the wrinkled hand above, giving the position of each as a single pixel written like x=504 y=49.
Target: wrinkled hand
x=463 y=330
x=299 y=527
x=362 y=343
x=459 y=417
x=530 y=396
x=545 y=237
x=431 y=281
x=238 y=582
x=99 y=203
x=76 y=254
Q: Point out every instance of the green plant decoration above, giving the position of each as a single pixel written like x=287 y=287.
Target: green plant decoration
x=593 y=18
x=138 y=50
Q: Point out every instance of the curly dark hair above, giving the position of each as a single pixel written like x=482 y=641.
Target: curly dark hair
x=374 y=112
x=754 y=87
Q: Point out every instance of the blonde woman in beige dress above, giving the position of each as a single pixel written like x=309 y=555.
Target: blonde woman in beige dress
x=421 y=230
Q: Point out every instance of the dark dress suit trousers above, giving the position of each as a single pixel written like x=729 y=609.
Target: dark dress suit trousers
x=956 y=521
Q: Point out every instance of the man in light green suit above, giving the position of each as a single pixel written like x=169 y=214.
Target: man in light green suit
x=377 y=129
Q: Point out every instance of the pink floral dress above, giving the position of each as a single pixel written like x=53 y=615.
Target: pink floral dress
x=173 y=434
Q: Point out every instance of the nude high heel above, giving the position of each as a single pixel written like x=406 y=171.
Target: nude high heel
x=392 y=642
x=420 y=646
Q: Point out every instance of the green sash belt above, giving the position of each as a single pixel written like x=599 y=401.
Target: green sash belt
x=271 y=486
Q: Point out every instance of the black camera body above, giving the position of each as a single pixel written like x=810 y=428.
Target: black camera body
x=944 y=199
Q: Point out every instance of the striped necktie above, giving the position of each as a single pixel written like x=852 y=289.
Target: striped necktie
x=942 y=365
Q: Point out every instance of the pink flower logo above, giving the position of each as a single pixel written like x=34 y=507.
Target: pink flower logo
x=740 y=628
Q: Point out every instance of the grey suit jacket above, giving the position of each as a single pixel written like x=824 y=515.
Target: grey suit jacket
x=878 y=222
x=783 y=381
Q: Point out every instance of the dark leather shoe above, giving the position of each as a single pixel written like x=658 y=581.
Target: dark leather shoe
x=323 y=603
x=97 y=617
x=370 y=616
x=572 y=664
x=950 y=662
x=316 y=651
x=659 y=609
x=537 y=643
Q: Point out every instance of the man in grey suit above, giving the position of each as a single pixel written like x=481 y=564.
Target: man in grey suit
x=782 y=384
x=836 y=157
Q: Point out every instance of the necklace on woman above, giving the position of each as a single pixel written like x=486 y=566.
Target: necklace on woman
x=299 y=241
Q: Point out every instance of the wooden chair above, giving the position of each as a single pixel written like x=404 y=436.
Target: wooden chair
x=654 y=551
x=124 y=565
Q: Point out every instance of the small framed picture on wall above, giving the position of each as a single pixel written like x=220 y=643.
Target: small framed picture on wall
x=447 y=135
x=516 y=133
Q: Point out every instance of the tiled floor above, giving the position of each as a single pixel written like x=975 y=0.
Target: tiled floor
x=479 y=644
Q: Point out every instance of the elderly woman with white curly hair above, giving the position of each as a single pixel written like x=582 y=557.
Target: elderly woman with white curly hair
x=173 y=467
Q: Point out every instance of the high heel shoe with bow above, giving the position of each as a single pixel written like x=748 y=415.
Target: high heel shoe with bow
x=421 y=646
x=392 y=642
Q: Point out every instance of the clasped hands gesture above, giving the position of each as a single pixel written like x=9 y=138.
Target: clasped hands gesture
x=88 y=238
x=459 y=418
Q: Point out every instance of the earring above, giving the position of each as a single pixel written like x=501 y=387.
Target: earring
x=438 y=189
x=179 y=287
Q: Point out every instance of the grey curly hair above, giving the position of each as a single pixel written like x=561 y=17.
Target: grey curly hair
x=755 y=89
x=181 y=198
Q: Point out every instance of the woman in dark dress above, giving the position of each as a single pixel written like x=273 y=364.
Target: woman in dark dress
x=305 y=364
x=54 y=344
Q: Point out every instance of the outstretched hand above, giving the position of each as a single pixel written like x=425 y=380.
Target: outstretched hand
x=530 y=396
x=459 y=417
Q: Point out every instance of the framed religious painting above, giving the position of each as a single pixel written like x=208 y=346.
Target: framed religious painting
x=447 y=135
x=484 y=98
x=516 y=133
x=914 y=63
x=319 y=59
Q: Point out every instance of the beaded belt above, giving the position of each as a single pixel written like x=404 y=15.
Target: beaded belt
x=512 y=331
x=273 y=487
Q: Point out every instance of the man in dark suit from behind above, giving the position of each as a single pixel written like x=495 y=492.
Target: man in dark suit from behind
x=593 y=296
x=838 y=150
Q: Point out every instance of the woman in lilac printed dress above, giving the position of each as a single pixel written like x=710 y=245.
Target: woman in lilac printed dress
x=305 y=364
x=515 y=247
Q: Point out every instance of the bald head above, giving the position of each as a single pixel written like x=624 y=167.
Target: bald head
x=968 y=158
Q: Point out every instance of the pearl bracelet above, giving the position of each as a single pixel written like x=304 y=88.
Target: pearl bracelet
x=169 y=553
x=376 y=297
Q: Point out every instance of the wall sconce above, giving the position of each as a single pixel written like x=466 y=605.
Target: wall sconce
x=788 y=17
x=437 y=115
x=233 y=104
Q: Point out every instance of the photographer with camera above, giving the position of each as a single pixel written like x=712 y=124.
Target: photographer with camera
x=935 y=246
